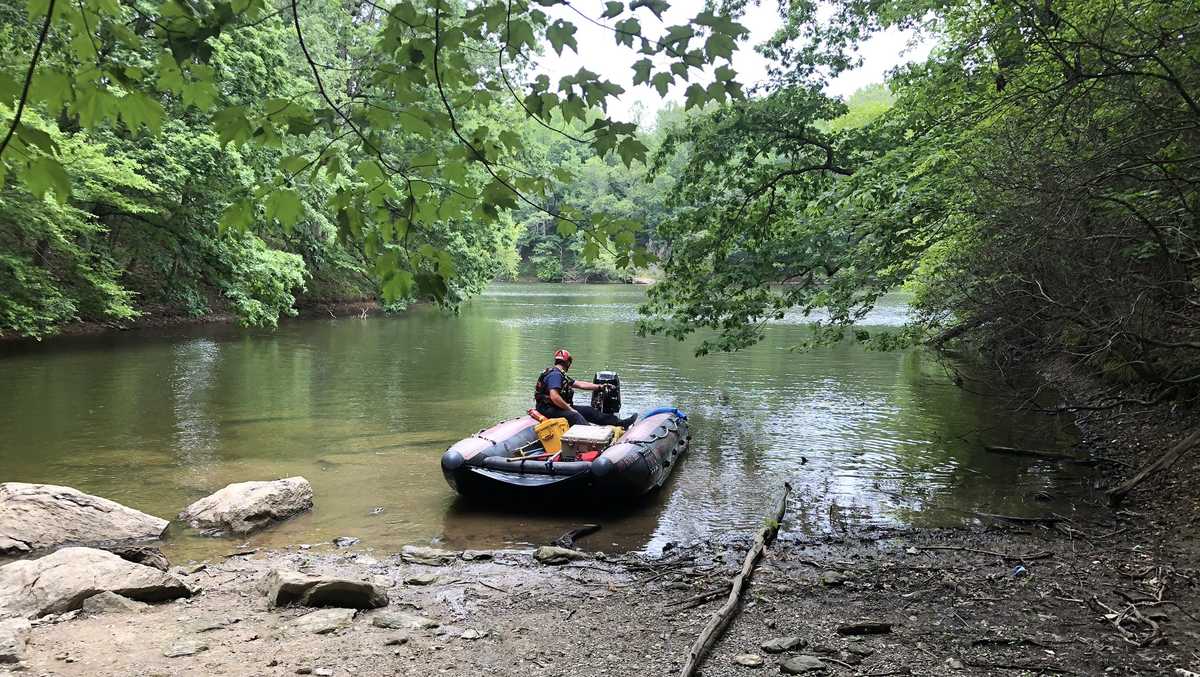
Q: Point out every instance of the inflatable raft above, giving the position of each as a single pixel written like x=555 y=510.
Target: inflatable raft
x=509 y=460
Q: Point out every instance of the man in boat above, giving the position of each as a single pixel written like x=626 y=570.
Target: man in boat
x=555 y=391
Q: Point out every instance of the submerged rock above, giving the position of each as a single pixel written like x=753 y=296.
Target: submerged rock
x=14 y=636
x=284 y=587
x=322 y=622
x=346 y=541
x=110 y=602
x=37 y=516
x=62 y=580
x=247 y=506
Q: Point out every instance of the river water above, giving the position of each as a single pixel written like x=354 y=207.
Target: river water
x=364 y=408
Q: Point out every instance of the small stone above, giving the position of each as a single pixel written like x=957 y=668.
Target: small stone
x=750 y=660
x=954 y=664
x=376 y=511
x=398 y=620
x=550 y=554
x=110 y=602
x=416 y=554
x=207 y=626
x=184 y=647
x=833 y=578
x=781 y=644
x=346 y=541
x=422 y=579
x=471 y=633
x=398 y=640
x=323 y=672
x=14 y=636
x=303 y=671
x=323 y=621
x=912 y=551
x=476 y=555
x=799 y=665
x=272 y=663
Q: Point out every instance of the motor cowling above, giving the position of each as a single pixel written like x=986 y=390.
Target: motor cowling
x=608 y=398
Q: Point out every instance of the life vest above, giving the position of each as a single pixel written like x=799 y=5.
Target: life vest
x=541 y=392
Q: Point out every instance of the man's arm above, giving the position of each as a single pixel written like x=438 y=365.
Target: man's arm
x=586 y=385
x=557 y=400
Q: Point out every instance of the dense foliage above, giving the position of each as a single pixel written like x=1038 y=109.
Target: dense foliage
x=1037 y=182
x=238 y=154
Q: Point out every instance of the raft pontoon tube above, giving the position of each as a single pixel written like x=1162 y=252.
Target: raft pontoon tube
x=489 y=464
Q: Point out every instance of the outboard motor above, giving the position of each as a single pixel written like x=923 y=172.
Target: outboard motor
x=607 y=400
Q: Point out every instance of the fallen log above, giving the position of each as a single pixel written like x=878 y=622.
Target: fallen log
x=1037 y=453
x=721 y=618
x=1119 y=492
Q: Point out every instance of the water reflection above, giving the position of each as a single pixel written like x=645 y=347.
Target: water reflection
x=364 y=407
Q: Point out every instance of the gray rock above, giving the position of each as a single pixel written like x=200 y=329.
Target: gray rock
x=110 y=602
x=800 y=665
x=323 y=672
x=476 y=555
x=37 y=516
x=208 y=626
x=399 y=620
x=322 y=621
x=431 y=556
x=396 y=641
x=14 y=636
x=285 y=587
x=834 y=578
x=246 y=506
x=750 y=660
x=471 y=633
x=142 y=554
x=552 y=554
x=781 y=644
x=346 y=541
x=62 y=580
x=422 y=579
x=184 y=647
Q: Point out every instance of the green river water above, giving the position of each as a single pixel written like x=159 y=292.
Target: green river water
x=364 y=408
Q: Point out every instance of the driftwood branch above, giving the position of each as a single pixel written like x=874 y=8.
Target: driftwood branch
x=722 y=617
x=1119 y=492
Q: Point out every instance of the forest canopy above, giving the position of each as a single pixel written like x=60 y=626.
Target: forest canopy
x=1033 y=180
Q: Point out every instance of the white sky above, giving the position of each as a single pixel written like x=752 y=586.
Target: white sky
x=599 y=52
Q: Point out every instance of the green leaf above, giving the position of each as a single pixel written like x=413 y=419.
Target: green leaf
x=232 y=126
x=612 y=9
x=694 y=96
x=138 y=109
x=627 y=30
x=631 y=149
x=562 y=33
x=397 y=286
x=719 y=45
x=237 y=216
x=565 y=228
x=641 y=71
x=45 y=174
x=285 y=206
x=656 y=6
x=662 y=81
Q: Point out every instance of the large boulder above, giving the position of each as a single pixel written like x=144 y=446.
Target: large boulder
x=62 y=580
x=246 y=506
x=284 y=588
x=37 y=516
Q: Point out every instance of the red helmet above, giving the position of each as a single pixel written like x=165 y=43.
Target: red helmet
x=563 y=355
